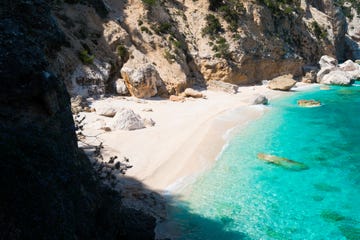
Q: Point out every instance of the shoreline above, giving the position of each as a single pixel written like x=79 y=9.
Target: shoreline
x=187 y=138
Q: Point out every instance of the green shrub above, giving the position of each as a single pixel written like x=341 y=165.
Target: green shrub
x=231 y=11
x=213 y=26
x=162 y=28
x=319 y=32
x=146 y=30
x=85 y=57
x=149 y=2
x=221 y=48
x=140 y=22
x=122 y=51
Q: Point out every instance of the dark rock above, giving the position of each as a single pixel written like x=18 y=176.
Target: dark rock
x=49 y=189
x=261 y=99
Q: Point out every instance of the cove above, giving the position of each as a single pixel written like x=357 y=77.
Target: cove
x=242 y=197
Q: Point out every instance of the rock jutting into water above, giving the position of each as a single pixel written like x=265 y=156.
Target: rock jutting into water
x=308 y=103
x=337 y=74
x=283 y=162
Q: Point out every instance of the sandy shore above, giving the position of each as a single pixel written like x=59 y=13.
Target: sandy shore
x=187 y=136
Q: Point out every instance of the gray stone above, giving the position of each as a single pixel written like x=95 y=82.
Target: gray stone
x=261 y=99
x=126 y=119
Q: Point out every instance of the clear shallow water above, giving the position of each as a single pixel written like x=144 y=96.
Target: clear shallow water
x=242 y=197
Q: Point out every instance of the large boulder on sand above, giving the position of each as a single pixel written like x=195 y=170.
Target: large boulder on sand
x=141 y=77
x=283 y=83
x=222 y=86
x=126 y=119
x=141 y=81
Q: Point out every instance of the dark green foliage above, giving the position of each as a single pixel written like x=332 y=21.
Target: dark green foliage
x=279 y=7
x=213 y=27
x=86 y=58
x=149 y=2
x=122 y=52
x=231 y=11
x=140 y=22
x=162 y=28
x=319 y=32
x=221 y=47
x=146 y=30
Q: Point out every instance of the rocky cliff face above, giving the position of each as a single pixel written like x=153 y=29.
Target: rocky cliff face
x=48 y=187
x=193 y=42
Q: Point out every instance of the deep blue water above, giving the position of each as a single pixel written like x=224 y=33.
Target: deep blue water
x=242 y=197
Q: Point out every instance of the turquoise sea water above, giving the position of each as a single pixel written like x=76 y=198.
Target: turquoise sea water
x=242 y=197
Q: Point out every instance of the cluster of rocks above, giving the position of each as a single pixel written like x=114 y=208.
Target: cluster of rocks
x=338 y=74
x=123 y=119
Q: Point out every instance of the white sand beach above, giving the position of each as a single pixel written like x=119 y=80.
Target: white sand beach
x=187 y=136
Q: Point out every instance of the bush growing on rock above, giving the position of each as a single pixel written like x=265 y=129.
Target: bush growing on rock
x=213 y=27
x=85 y=57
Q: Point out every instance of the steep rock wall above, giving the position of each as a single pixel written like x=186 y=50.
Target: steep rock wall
x=49 y=189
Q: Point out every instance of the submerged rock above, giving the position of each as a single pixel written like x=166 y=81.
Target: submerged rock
x=331 y=216
x=326 y=187
x=283 y=162
x=283 y=83
x=308 y=103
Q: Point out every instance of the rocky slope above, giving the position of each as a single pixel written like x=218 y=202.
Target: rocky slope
x=49 y=189
x=182 y=43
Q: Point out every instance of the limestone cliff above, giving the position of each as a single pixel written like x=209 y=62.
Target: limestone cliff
x=192 y=42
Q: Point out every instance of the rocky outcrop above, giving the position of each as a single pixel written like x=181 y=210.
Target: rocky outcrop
x=283 y=83
x=90 y=80
x=332 y=73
